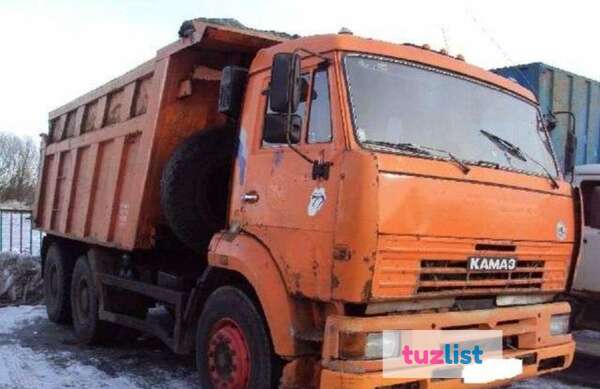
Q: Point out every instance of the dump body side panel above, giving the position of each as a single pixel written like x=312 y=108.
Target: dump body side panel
x=103 y=157
x=94 y=161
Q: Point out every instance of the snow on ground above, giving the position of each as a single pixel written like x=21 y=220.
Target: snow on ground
x=35 y=353
x=23 y=368
x=545 y=383
x=13 y=317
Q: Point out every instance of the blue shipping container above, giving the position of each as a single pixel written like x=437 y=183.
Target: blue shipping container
x=559 y=90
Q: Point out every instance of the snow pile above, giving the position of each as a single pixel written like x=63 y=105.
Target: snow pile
x=20 y=279
x=22 y=368
x=34 y=354
x=14 y=205
x=12 y=318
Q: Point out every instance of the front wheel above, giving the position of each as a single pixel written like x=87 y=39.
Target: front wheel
x=233 y=347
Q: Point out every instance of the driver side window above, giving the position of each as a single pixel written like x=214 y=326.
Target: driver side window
x=273 y=121
x=319 y=121
x=314 y=114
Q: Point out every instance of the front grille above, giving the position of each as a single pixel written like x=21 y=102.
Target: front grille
x=452 y=277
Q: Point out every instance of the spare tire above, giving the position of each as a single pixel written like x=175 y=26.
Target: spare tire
x=194 y=186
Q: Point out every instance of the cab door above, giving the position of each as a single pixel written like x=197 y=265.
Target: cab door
x=283 y=204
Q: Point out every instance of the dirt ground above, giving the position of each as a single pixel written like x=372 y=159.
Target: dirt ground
x=35 y=353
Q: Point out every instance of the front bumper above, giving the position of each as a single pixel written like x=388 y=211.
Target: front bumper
x=529 y=325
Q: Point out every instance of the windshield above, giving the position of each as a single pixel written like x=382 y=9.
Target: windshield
x=396 y=102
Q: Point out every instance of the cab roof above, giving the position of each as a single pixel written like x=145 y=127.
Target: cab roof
x=408 y=52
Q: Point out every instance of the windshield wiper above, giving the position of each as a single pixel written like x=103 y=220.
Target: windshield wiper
x=461 y=165
x=409 y=147
x=517 y=152
x=505 y=145
x=419 y=149
x=552 y=180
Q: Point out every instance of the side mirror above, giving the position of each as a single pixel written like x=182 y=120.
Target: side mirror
x=231 y=90
x=285 y=89
x=551 y=121
x=275 y=129
x=570 y=154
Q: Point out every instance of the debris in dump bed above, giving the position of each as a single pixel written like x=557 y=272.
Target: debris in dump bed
x=20 y=279
x=187 y=27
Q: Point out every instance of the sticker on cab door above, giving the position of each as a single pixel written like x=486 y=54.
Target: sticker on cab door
x=561 y=230
x=317 y=199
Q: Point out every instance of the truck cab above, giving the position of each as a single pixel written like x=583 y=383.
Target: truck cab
x=441 y=194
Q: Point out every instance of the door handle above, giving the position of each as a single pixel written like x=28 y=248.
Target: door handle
x=250 y=197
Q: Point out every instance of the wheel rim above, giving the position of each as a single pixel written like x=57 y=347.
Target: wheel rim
x=228 y=356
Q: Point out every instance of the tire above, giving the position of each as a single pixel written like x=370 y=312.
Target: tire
x=84 y=302
x=577 y=313
x=58 y=269
x=194 y=186
x=229 y=315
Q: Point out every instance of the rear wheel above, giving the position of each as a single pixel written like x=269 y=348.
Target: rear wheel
x=58 y=267
x=84 y=302
x=233 y=348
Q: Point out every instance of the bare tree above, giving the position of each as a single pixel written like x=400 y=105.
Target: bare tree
x=19 y=158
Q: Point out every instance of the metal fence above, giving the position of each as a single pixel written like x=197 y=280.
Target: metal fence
x=17 y=233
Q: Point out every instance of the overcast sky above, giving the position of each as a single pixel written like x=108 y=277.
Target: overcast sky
x=55 y=50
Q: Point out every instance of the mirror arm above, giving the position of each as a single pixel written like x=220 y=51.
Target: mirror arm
x=572 y=115
x=542 y=124
x=288 y=130
x=320 y=169
x=288 y=136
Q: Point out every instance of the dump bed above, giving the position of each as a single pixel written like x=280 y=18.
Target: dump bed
x=104 y=153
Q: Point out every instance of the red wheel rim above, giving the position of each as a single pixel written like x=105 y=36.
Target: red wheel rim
x=228 y=356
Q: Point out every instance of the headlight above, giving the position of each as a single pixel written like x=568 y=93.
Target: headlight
x=559 y=324
x=373 y=345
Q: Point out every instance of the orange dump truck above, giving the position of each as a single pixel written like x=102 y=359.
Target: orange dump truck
x=288 y=199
